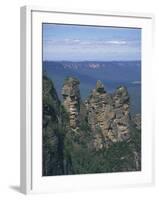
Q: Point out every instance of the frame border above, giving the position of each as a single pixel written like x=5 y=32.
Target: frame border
x=26 y=82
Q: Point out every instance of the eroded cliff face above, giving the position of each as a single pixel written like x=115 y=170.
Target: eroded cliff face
x=71 y=96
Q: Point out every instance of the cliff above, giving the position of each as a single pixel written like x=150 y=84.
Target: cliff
x=54 y=126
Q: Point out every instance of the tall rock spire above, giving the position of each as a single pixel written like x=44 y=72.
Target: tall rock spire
x=71 y=100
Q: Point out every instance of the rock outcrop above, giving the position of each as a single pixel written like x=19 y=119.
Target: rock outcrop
x=108 y=114
x=137 y=121
x=71 y=96
x=121 y=106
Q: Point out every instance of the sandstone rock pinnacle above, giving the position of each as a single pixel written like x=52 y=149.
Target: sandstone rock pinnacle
x=109 y=113
x=100 y=87
x=71 y=97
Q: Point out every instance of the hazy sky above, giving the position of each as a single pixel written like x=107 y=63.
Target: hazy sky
x=81 y=43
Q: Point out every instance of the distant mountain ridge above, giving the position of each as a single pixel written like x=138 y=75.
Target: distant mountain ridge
x=97 y=64
x=126 y=70
x=110 y=70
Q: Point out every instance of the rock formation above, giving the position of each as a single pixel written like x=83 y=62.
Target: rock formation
x=108 y=113
x=121 y=106
x=94 y=136
x=137 y=121
x=71 y=96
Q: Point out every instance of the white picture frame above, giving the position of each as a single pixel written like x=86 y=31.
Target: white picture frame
x=31 y=101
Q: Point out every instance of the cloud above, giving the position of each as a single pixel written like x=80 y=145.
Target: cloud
x=70 y=41
x=60 y=42
x=85 y=43
x=117 y=42
x=73 y=48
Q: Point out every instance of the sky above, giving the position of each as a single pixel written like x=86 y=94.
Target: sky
x=90 y=43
